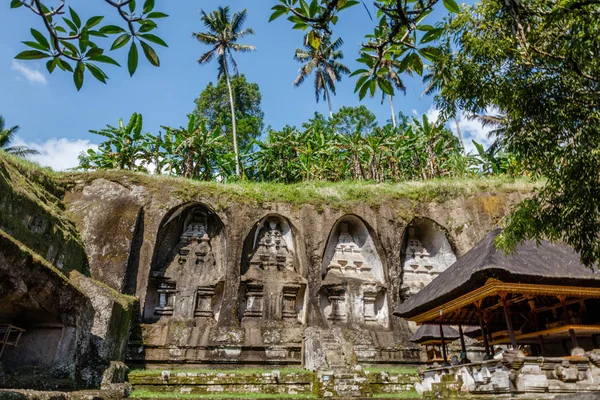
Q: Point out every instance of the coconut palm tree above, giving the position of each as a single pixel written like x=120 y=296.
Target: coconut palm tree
x=7 y=135
x=323 y=61
x=223 y=34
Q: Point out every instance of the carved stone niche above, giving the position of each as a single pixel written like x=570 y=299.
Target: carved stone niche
x=190 y=265
x=274 y=288
x=427 y=252
x=353 y=290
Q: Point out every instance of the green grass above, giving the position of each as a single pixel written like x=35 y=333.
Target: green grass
x=240 y=371
x=392 y=370
x=313 y=192
x=402 y=395
x=161 y=395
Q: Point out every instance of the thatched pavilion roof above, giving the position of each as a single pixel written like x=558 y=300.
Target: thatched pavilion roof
x=547 y=264
x=428 y=332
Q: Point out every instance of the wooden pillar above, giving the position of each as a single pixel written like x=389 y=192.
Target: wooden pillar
x=536 y=322
x=509 y=325
x=444 y=355
x=463 y=347
x=483 y=334
x=567 y=319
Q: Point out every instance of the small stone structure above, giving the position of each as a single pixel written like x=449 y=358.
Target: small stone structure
x=514 y=373
x=427 y=253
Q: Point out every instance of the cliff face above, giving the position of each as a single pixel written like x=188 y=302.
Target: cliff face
x=239 y=273
x=71 y=325
x=131 y=226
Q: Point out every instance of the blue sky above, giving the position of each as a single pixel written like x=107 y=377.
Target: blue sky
x=56 y=119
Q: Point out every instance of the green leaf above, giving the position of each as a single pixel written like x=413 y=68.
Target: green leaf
x=15 y=4
x=35 y=45
x=94 y=51
x=451 y=6
x=386 y=87
x=154 y=39
x=93 y=21
x=104 y=59
x=75 y=18
x=132 y=6
x=416 y=63
x=70 y=46
x=111 y=29
x=50 y=65
x=430 y=53
x=84 y=40
x=132 y=59
x=70 y=24
x=121 y=41
x=148 y=6
x=373 y=87
x=96 y=72
x=31 y=55
x=157 y=14
x=147 y=26
x=431 y=35
x=97 y=34
x=78 y=75
x=41 y=39
x=65 y=66
x=276 y=14
x=363 y=90
x=150 y=54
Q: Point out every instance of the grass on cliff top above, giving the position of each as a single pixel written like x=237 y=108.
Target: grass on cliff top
x=313 y=192
x=237 y=371
x=161 y=395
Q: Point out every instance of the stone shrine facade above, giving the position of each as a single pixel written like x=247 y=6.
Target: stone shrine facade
x=427 y=253
x=283 y=309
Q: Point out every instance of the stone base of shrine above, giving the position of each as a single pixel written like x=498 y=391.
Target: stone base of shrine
x=515 y=374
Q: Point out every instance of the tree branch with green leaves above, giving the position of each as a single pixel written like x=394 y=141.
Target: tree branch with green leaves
x=71 y=45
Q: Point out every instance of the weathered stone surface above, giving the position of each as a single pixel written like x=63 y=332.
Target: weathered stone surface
x=56 y=315
x=165 y=208
x=109 y=215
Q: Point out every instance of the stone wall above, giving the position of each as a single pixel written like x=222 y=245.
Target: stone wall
x=236 y=279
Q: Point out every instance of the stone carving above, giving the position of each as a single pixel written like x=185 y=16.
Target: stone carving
x=166 y=294
x=427 y=254
x=192 y=274
x=274 y=288
x=351 y=288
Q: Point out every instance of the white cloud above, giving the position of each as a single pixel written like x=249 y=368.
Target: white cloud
x=58 y=154
x=470 y=128
x=32 y=75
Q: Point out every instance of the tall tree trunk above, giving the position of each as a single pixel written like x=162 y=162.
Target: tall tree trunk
x=328 y=102
x=392 y=110
x=189 y=165
x=233 y=123
x=460 y=137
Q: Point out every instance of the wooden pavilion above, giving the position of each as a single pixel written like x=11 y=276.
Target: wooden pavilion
x=433 y=338
x=540 y=296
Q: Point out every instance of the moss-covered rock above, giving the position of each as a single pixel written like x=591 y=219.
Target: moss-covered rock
x=32 y=211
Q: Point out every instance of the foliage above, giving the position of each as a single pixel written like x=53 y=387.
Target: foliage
x=194 y=151
x=123 y=149
x=7 y=135
x=212 y=106
x=72 y=45
x=323 y=61
x=534 y=65
x=223 y=33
